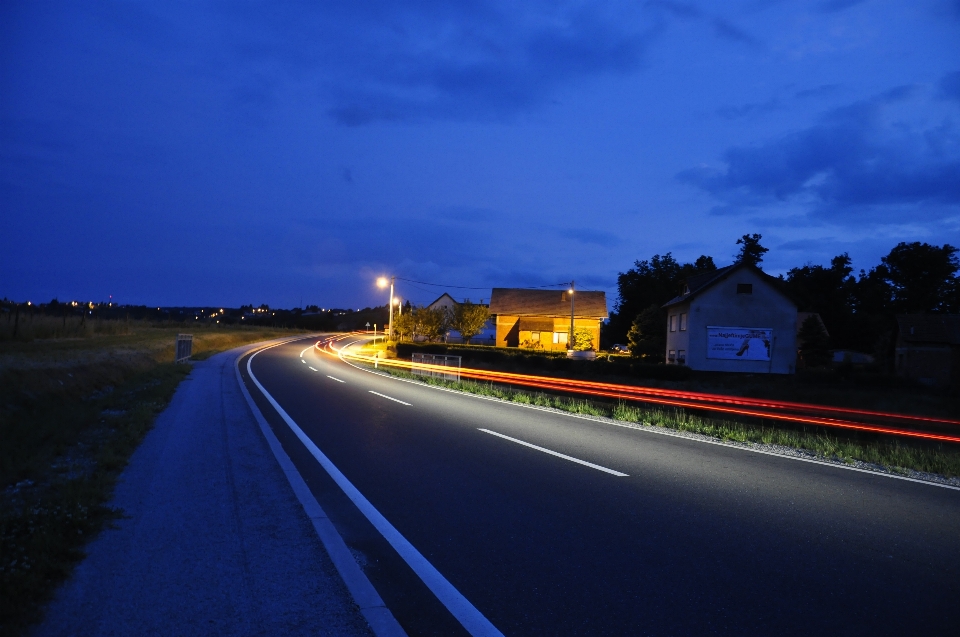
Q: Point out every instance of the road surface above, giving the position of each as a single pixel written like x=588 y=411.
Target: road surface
x=548 y=524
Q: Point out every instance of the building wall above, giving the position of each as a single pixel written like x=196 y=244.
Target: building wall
x=721 y=306
x=509 y=333
x=926 y=363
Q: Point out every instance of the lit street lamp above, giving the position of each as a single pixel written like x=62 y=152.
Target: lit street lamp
x=570 y=338
x=382 y=282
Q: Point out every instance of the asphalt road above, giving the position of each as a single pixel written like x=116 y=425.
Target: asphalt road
x=695 y=539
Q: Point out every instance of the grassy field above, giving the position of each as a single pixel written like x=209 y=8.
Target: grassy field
x=72 y=411
x=885 y=453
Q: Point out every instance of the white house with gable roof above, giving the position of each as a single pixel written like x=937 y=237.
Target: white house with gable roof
x=735 y=319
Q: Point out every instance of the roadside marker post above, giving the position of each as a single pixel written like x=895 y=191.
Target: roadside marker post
x=184 y=348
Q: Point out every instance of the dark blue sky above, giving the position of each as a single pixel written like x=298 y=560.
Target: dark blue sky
x=225 y=153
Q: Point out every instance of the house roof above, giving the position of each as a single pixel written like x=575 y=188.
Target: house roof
x=699 y=283
x=520 y=302
x=930 y=328
x=438 y=303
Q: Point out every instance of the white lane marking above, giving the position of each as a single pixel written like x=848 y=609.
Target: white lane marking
x=305 y=350
x=646 y=428
x=557 y=454
x=303 y=361
x=454 y=601
x=313 y=368
x=336 y=379
x=389 y=398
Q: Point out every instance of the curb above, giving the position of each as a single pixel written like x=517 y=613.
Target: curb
x=378 y=616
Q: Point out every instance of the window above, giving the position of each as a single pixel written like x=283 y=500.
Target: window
x=559 y=337
x=535 y=337
x=744 y=288
x=671 y=356
x=682 y=356
x=683 y=322
x=673 y=322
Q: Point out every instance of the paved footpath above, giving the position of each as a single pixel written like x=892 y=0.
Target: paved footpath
x=214 y=541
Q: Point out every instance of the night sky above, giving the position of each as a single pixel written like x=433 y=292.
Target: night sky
x=227 y=153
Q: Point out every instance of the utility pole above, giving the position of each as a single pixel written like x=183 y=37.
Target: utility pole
x=570 y=337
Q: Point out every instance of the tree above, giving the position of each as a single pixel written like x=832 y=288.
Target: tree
x=814 y=343
x=652 y=282
x=582 y=339
x=647 y=337
x=469 y=319
x=832 y=293
x=751 y=252
x=916 y=277
x=403 y=325
x=431 y=323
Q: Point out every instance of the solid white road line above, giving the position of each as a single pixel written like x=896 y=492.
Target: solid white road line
x=313 y=368
x=557 y=454
x=389 y=398
x=458 y=605
x=336 y=379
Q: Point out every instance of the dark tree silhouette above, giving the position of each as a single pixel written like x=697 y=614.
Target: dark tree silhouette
x=751 y=252
x=647 y=283
x=916 y=277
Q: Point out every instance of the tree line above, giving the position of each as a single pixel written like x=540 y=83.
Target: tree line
x=858 y=310
x=413 y=323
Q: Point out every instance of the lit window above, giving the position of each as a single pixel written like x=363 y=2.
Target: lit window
x=673 y=322
x=683 y=322
x=559 y=337
x=535 y=336
x=744 y=288
x=671 y=356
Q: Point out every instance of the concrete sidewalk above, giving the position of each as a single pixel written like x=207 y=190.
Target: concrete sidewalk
x=214 y=541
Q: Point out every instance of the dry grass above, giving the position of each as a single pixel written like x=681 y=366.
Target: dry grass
x=72 y=410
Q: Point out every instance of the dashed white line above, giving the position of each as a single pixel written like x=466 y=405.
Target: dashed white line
x=557 y=454
x=390 y=398
x=335 y=378
x=313 y=368
x=303 y=361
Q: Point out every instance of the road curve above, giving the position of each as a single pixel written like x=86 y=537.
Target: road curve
x=550 y=524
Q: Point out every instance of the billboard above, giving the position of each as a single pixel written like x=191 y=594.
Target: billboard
x=739 y=343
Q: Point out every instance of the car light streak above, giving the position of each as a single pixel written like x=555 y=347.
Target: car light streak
x=792 y=412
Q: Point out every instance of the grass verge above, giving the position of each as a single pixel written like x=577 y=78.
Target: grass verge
x=882 y=453
x=71 y=414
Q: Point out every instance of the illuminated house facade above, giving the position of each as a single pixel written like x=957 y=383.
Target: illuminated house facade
x=735 y=319
x=540 y=319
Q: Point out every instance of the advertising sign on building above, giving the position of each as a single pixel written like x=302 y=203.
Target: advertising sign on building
x=739 y=343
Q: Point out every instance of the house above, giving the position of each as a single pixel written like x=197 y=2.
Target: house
x=540 y=319
x=445 y=301
x=735 y=319
x=928 y=348
x=486 y=335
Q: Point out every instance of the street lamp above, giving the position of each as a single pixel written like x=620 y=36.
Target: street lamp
x=570 y=338
x=382 y=283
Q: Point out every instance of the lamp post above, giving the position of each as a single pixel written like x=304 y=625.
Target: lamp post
x=570 y=338
x=382 y=282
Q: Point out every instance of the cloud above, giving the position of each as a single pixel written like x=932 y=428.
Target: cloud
x=407 y=61
x=819 y=91
x=749 y=110
x=832 y=6
x=729 y=31
x=949 y=86
x=851 y=162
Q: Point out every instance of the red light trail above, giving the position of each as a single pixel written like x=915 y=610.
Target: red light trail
x=793 y=412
